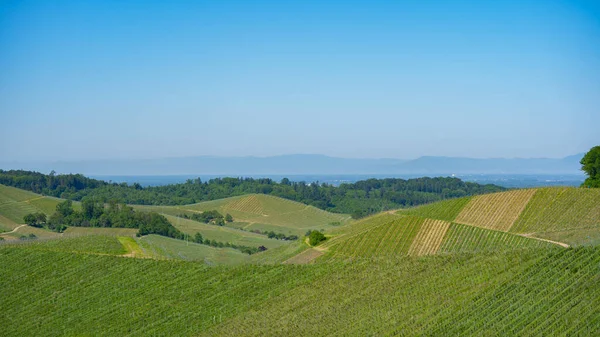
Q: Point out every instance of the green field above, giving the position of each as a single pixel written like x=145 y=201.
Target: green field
x=262 y=212
x=510 y=293
x=446 y=210
x=223 y=233
x=464 y=238
x=16 y=203
x=560 y=209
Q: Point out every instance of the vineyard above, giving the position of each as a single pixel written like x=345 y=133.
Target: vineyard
x=388 y=239
x=544 y=291
x=464 y=238
x=556 y=209
x=429 y=238
x=496 y=211
x=446 y=210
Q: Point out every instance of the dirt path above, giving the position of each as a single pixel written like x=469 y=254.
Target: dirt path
x=530 y=236
x=14 y=230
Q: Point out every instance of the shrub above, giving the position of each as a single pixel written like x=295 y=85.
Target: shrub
x=316 y=237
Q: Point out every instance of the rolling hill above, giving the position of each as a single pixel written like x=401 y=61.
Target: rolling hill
x=565 y=214
x=262 y=212
x=470 y=266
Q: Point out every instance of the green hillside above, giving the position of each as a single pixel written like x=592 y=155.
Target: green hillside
x=16 y=203
x=564 y=214
x=262 y=212
x=453 y=294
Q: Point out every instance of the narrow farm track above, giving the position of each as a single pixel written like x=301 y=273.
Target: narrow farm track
x=14 y=230
x=530 y=236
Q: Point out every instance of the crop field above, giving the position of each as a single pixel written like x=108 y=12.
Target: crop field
x=429 y=238
x=463 y=238
x=389 y=239
x=496 y=211
x=223 y=233
x=446 y=210
x=160 y=247
x=305 y=257
x=529 y=292
x=559 y=209
x=92 y=244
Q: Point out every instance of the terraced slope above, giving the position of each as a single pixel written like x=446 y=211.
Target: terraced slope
x=545 y=292
x=496 y=211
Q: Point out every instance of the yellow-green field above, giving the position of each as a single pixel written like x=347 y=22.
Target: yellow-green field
x=262 y=212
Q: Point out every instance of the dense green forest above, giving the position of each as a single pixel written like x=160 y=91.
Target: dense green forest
x=359 y=199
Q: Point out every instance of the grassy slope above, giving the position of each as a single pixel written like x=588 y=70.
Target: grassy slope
x=531 y=292
x=263 y=212
x=224 y=234
x=16 y=203
x=161 y=247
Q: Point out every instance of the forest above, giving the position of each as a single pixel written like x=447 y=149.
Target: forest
x=358 y=199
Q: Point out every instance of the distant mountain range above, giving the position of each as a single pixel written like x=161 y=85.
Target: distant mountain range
x=306 y=164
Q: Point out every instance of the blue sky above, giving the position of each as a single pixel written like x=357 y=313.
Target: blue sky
x=149 y=79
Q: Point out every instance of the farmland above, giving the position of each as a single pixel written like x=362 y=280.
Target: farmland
x=495 y=211
x=417 y=271
x=150 y=297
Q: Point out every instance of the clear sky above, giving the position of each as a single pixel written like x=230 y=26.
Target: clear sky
x=401 y=79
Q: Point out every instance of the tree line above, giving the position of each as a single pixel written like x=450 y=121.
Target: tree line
x=359 y=199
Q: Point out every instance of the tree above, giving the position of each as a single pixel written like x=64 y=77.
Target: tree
x=30 y=219
x=315 y=238
x=220 y=222
x=590 y=164
x=228 y=218
x=65 y=208
x=40 y=218
x=198 y=238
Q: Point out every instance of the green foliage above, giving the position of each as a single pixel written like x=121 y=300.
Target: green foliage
x=35 y=219
x=316 y=237
x=359 y=199
x=228 y=218
x=590 y=164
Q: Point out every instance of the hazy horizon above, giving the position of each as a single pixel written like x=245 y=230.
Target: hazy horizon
x=352 y=79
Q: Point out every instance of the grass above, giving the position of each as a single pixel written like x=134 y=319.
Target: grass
x=93 y=244
x=167 y=248
x=76 y=231
x=16 y=203
x=224 y=234
x=529 y=292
